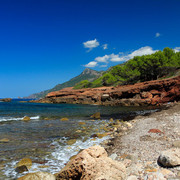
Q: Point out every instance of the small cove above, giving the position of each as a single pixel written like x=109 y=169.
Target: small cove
x=44 y=138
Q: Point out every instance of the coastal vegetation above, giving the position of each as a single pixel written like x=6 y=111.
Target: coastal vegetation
x=161 y=64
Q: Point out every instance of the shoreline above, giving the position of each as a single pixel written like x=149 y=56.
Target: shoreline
x=138 y=148
x=131 y=137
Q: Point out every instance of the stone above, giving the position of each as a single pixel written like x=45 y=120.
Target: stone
x=79 y=131
x=71 y=141
x=129 y=125
x=26 y=118
x=64 y=119
x=176 y=143
x=38 y=176
x=26 y=162
x=155 y=131
x=127 y=162
x=155 y=176
x=96 y=115
x=132 y=177
x=21 y=169
x=111 y=120
x=43 y=166
x=167 y=173
x=93 y=163
x=146 y=95
x=82 y=123
x=102 y=135
x=93 y=136
x=113 y=156
x=4 y=140
x=151 y=169
x=6 y=100
x=105 y=97
x=170 y=158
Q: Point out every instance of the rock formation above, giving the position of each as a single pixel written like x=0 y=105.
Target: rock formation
x=93 y=163
x=170 y=157
x=140 y=94
x=6 y=100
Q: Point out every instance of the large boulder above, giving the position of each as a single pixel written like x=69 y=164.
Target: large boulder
x=170 y=158
x=38 y=176
x=92 y=163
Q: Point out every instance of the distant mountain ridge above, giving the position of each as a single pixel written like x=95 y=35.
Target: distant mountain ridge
x=87 y=74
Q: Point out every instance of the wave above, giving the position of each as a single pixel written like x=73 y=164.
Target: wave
x=57 y=159
x=3 y=119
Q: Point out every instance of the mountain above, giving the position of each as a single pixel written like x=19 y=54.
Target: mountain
x=87 y=74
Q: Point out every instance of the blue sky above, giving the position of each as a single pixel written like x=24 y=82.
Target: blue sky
x=46 y=42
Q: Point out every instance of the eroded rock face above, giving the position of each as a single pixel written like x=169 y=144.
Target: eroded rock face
x=92 y=163
x=170 y=158
x=140 y=94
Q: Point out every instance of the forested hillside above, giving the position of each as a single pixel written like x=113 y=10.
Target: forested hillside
x=159 y=65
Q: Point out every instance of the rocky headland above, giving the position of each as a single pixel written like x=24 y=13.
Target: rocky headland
x=140 y=94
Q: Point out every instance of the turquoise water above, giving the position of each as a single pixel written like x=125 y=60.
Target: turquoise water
x=44 y=141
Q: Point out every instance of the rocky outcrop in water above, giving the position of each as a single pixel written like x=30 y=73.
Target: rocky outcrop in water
x=6 y=100
x=140 y=94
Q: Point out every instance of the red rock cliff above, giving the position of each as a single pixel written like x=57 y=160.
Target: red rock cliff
x=146 y=93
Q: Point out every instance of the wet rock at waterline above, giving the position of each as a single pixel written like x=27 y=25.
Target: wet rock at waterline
x=96 y=115
x=38 y=176
x=71 y=141
x=26 y=118
x=6 y=100
x=4 y=140
x=64 y=119
x=25 y=162
x=21 y=169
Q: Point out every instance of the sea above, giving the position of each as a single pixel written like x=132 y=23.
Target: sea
x=44 y=138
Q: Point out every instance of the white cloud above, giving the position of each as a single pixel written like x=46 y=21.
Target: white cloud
x=112 y=57
x=157 y=34
x=177 y=49
x=115 y=58
x=91 y=64
x=120 y=57
x=102 y=59
x=105 y=46
x=91 y=44
x=142 y=51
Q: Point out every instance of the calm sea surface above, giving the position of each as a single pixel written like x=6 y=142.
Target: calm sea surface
x=44 y=138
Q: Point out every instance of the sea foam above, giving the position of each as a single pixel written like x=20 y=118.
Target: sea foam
x=3 y=119
x=57 y=159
